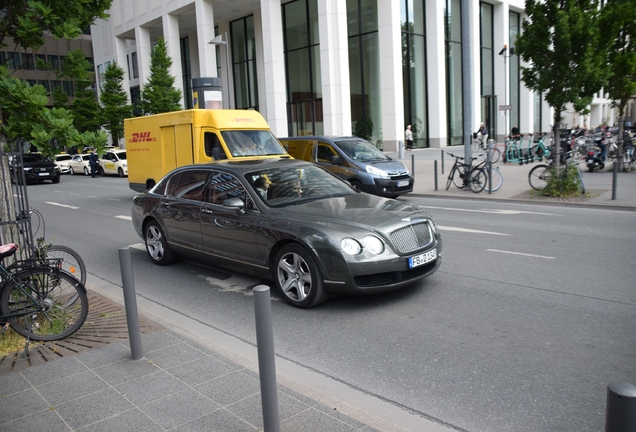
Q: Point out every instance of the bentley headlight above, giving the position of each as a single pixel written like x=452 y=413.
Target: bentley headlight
x=433 y=226
x=350 y=246
x=373 y=245
x=377 y=172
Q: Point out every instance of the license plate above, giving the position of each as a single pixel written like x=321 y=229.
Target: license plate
x=422 y=259
x=402 y=183
x=43 y=174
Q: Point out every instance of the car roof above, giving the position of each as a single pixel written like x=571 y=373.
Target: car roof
x=322 y=137
x=249 y=165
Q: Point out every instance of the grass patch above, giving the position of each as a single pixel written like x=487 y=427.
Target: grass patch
x=11 y=342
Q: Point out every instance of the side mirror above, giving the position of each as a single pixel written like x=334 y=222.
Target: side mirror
x=150 y=183
x=216 y=153
x=235 y=203
x=335 y=159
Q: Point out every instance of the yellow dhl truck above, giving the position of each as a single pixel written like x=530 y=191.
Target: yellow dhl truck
x=157 y=144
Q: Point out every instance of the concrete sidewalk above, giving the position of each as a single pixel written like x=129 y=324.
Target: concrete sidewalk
x=599 y=184
x=194 y=377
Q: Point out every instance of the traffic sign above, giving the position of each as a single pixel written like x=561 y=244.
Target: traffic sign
x=505 y=107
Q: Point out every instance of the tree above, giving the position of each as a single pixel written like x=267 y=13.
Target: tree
x=561 y=40
x=159 y=94
x=85 y=108
x=115 y=107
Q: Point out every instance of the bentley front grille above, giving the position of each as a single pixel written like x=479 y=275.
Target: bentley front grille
x=412 y=237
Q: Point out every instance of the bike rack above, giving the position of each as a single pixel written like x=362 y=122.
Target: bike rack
x=15 y=216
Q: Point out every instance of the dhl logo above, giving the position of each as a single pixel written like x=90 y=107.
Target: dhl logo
x=142 y=137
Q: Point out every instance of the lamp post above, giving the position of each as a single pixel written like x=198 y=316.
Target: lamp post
x=218 y=40
x=506 y=53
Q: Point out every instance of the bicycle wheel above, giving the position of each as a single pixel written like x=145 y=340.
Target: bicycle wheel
x=71 y=261
x=627 y=161
x=450 y=176
x=477 y=180
x=459 y=176
x=476 y=145
x=497 y=180
x=52 y=303
x=495 y=155
x=539 y=176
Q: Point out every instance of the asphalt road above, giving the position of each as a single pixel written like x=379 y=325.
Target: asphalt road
x=530 y=317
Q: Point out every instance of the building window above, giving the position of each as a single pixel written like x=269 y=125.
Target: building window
x=538 y=113
x=27 y=61
x=67 y=86
x=53 y=61
x=244 y=63
x=135 y=98
x=364 y=69
x=186 y=72
x=13 y=60
x=135 y=67
x=413 y=24
x=515 y=81
x=302 y=65
x=487 y=56
x=454 y=87
x=40 y=62
x=100 y=76
x=45 y=84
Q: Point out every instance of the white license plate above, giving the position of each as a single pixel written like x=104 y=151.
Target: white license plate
x=43 y=174
x=422 y=259
x=402 y=183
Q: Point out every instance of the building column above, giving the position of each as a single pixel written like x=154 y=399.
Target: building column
x=205 y=33
x=121 y=59
x=334 y=67
x=391 y=86
x=171 y=37
x=501 y=30
x=274 y=66
x=436 y=73
x=260 y=65
x=475 y=77
x=142 y=41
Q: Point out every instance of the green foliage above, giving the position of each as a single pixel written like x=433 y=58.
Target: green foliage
x=158 y=94
x=28 y=22
x=363 y=128
x=85 y=108
x=60 y=99
x=565 y=185
x=561 y=40
x=114 y=102
x=618 y=19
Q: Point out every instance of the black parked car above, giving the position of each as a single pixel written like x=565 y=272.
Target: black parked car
x=36 y=168
x=289 y=221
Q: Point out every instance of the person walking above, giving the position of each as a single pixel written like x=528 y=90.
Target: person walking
x=408 y=137
x=93 y=161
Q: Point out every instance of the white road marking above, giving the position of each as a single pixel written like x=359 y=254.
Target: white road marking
x=71 y=193
x=237 y=283
x=91 y=196
x=113 y=199
x=498 y=211
x=138 y=246
x=519 y=253
x=466 y=230
x=124 y=217
x=62 y=205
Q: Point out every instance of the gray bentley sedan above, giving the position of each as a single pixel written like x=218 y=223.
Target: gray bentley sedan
x=291 y=222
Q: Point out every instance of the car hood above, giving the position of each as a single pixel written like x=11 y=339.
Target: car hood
x=39 y=164
x=392 y=167
x=361 y=210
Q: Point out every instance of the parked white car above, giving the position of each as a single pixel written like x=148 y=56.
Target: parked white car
x=114 y=162
x=62 y=161
x=79 y=164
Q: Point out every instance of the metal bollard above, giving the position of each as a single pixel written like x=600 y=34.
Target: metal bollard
x=130 y=303
x=442 y=161
x=491 y=147
x=435 y=172
x=400 y=150
x=413 y=165
x=620 y=412
x=614 y=179
x=266 y=358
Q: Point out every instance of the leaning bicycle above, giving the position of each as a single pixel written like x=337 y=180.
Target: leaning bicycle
x=461 y=175
x=482 y=176
x=542 y=174
x=40 y=301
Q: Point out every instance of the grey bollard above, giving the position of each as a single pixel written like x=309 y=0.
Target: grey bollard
x=400 y=150
x=442 y=161
x=413 y=165
x=266 y=358
x=130 y=303
x=491 y=146
x=435 y=173
x=620 y=412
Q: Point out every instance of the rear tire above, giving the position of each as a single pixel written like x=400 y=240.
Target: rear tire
x=477 y=180
x=298 y=277
x=157 y=245
x=539 y=177
x=71 y=261
x=86 y=171
x=459 y=176
x=120 y=172
x=70 y=171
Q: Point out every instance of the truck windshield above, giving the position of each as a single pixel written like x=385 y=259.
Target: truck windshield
x=249 y=143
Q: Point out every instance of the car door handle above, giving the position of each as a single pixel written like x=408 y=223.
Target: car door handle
x=207 y=211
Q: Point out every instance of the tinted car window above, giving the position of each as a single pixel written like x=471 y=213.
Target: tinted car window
x=191 y=184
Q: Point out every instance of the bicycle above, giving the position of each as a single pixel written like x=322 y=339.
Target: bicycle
x=40 y=301
x=541 y=175
x=479 y=144
x=71 y=261
x=497 y=176
x=461 y=175
x=629 y=158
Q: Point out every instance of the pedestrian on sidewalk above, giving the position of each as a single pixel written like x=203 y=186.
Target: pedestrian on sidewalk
x=408 y=137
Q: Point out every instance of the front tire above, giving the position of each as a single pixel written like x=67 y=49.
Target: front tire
x=157 y=245
x=356 y=185
x=298 y=277
x=86 y=171
x=120 y=172
x=70 y=171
